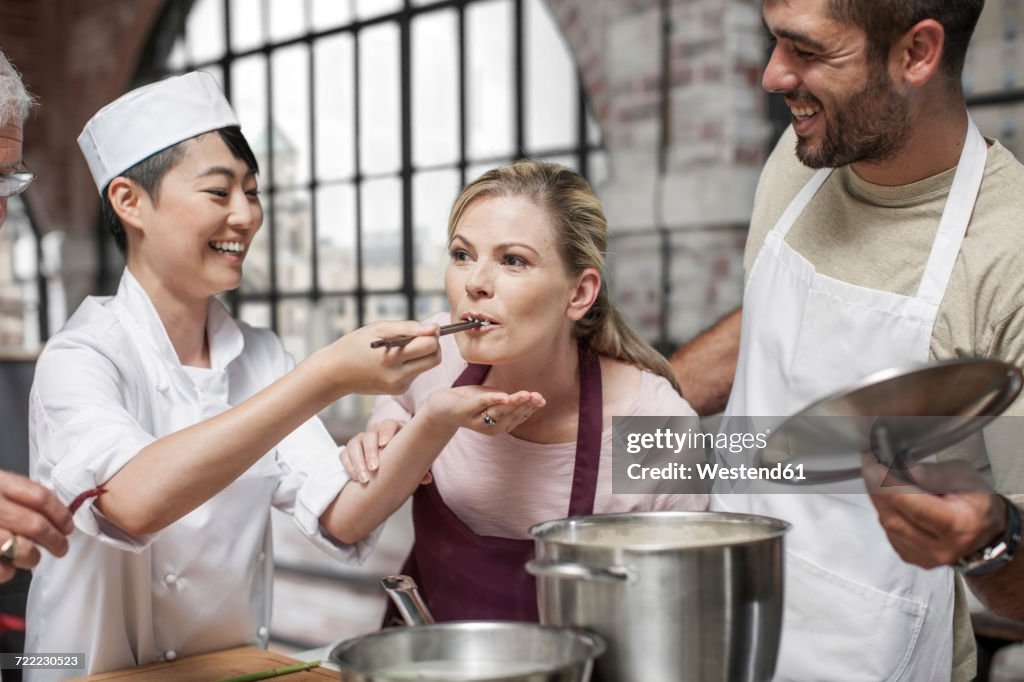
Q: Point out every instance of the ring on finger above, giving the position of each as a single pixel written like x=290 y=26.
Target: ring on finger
x=488 y=419
x=8 y=549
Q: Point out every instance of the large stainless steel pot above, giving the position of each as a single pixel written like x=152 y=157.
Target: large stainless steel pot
x=477 y=651
x=677 y=596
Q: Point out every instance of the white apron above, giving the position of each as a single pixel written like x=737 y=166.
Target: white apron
x=853 y=609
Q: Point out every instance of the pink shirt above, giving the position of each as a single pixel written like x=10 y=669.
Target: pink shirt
x=501 y=485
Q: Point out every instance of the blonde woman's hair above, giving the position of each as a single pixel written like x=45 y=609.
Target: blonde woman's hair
x=577 y=216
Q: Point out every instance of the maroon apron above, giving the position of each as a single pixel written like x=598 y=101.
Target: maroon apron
x=465 y=576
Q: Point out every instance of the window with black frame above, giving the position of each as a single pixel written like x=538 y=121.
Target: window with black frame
x=367 y=117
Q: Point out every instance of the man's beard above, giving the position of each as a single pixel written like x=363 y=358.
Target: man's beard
x=870 y=125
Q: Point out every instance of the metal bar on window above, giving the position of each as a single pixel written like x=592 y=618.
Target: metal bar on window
x=314 y=216
x=360 y=292
x=405 y=56
x=1011 y=96
x=461 y=28
x=583 y=158
x=519 y=78
x=226 y=61
x=272 y=223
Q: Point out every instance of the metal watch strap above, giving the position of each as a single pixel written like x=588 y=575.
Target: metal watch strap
x=998 y=554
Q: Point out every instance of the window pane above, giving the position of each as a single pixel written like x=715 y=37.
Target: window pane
x=335 y=123
x=1003 y=122
x=600 y=169
x=435 y=89
x=246 y=24
x=386 y=307
x=489 y=83
x=567 y=160
x=551 y=89
x=295 y=327
x=293 y=237
x=433 y=194
x=333 y=317
x=336 y=237
x=428 y=304
x=204 y=30
x=307 y=326
x=475 y=170
x=287 y=19
x=344 y=419
x=256 y=313
x=176 y=59
x=379 y=123
x=291 y=115
x=331 y=14
x=366 y=9
x=256 y=272
x=382 y=235
x=19 y=293
x=249 y=100
x=594 y=136
x=217 y=72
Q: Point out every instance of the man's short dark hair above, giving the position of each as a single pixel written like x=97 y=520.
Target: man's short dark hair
x=150 y=172
x=886 y=20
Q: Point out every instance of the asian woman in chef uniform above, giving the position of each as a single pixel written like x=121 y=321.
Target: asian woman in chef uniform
x=194 y=423
x=519 y=413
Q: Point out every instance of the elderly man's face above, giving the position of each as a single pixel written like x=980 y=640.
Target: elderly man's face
x=10 y=156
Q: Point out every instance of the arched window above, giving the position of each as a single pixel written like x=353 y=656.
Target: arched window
x=368 y=116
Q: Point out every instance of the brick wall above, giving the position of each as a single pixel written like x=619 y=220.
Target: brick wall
x=716 y=137
x=75 y=56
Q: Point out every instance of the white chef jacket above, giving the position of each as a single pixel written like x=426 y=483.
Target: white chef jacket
x=105 y=387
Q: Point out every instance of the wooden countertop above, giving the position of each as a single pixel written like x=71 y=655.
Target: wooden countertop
x=217 y=665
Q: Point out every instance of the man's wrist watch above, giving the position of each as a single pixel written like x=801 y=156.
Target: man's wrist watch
x=998 y=554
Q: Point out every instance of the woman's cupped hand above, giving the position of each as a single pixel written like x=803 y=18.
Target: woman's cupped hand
x=479 y=408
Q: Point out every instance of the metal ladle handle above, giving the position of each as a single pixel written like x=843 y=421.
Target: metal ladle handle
x=404 y=593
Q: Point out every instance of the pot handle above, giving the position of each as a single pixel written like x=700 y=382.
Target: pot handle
x=612 y=574
x=403 y=592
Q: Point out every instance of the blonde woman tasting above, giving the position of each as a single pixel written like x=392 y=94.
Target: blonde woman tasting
x=515 y=424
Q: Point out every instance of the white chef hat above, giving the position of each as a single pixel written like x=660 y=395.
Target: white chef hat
x=149 y=119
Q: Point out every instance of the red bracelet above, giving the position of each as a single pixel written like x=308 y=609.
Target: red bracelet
x=77 y=502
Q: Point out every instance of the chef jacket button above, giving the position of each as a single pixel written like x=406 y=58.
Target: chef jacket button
x=170 y=655
x=170 y=578
x=262 y=632
x=162 y=387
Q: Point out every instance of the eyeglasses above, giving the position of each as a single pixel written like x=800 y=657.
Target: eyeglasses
x=13 y=183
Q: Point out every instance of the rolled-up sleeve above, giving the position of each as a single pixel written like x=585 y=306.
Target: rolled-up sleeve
x=312 y=478
x=82 y=434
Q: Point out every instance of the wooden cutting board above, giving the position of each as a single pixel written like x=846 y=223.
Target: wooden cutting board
x=215 y=666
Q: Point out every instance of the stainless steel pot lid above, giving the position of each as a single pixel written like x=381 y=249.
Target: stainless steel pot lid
x=657 y=531
x=902 y=415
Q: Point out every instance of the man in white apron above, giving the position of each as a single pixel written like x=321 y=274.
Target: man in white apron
x=823 y=308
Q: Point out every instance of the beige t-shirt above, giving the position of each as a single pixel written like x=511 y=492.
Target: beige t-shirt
x=880 y=237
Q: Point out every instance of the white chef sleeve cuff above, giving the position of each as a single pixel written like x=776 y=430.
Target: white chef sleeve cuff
x=316 y=493
x=76 y=472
